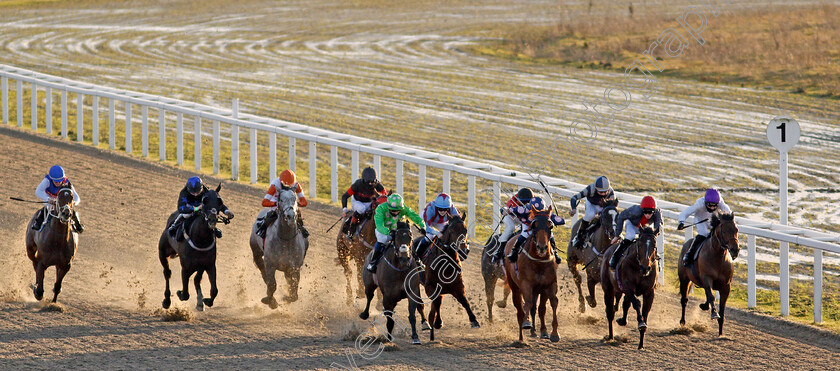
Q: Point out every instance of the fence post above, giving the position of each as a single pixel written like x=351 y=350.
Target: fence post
x=34 y=107
x=48 y=110
x=421 y=187
x=784 y=278
x=399 y=179
x=4 y=89
x=161 y=134
x=447 y=174
x=496 y=201
x=660 y=249
x=272 y=156
x=144 y=131
x=64 y=114
x=818 y=282
x=471 y=205
x=19 y=96
x=128 y=129
x=217 y=133
x=334 y=174
x=751 y=271
x=292 y=153
x=313 y=174
x=377 y=165
x=112 y=126
x=234 y=143
x=80 y=117
x=179 y=138
x=197 y=140
x=354 y=165
x=253 y=147
x=95 y=121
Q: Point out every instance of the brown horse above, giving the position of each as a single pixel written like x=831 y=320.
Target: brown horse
x=394 y=279
x=197 y=251
x=535 y=275
x=55 y=244
x=592 y=253
x=443 y=270
x=712 y=269
x=356 y=249
x=491 y=273
x=634 y=275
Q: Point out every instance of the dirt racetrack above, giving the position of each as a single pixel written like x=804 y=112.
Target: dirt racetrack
x=115 y=286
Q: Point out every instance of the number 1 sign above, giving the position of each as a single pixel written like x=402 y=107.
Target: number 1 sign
x=783 y=133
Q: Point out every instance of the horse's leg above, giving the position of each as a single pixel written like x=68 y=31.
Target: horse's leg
x=710 y=298
x=625 y=308
x=685 y=286
x=503 y=303
x=543 y=328
x=434 y=317
x=438 y=323
x=38 y=289
x=259 y=259
x=591 y=281
x=199 y=296
x=345 y=264
x=724 y=294
x=369 y=293
x=555 y=337
x=360 y=264
x=424 y=325
x=517 y=303
x=527 y=303
x=462 y=299
x=533 y=314
x=572 y=263
x=388 y=305
x=609 y=307
x=214 y=290
x=292 y=279
x=270 y=286
x=59 y=276
x=412 y=319
x=648 y=303
x=490 y=295
x=164 y=252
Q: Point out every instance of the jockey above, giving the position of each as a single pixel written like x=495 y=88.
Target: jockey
x=437 y=215
x=702 y=210
x=363 y=192
x=386 y=219
x=535 y=206
x=522 y=198
x=597 y=195
x=633 y=219
x=48 y=189
x=189 y=203
x=287 y=180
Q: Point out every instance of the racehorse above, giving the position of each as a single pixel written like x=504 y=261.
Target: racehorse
x=394 y=277
x=712 y=269
x=492 y=272
x=534 y=275
x=283 y=248
x=357 y=249
x=592 y=253
x=54 y=244
x=443 y=270
x=634 y=275
x=197 y=251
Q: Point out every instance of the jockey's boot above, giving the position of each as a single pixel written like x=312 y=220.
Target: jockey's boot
x=268 y=220
x=688 y=258
x=619 y=252
x=581 y=234
x=557 y=258
x=500 y=253
x=354 y=222
x=77 y=225
x=218 y=233
x=514 y=252
x=174 y=227
x=303 y=230
x=422 y=246
x=39 y=220
x=374 y=260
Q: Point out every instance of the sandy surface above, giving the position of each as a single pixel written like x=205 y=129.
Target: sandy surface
x=115 y=286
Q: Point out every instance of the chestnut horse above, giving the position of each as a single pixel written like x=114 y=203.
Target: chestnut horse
x=591 y=254
x=197 y=251
x=491 y=273
x=712 y=270
x=357 y=249
x=443 y=270
x=535 y=275
x=55 y=244
x=634 y=275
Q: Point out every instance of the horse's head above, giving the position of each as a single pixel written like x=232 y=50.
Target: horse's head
x=64 y=204
x=455 y=236
x=402 y=242
x=212 y=204
x=542 y=226
x=725 y=231
x=608 y=216
x=646 y=250
x=287 y=204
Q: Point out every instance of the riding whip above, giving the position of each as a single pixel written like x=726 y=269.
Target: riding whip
x=22 y=200
x=702 y=221
x=336 y=222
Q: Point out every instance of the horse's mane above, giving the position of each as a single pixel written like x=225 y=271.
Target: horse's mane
x=648 y=230
x=611 y=203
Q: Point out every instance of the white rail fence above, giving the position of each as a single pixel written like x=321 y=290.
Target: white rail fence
x=237 y=121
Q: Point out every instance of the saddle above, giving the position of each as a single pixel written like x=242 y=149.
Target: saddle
x=593 y=225
x=183 y=224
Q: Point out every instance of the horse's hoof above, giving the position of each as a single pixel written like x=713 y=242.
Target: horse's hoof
x=425 y=326
x=183 y=296
x=533 y=333
x=166 y=303
x=544 y=335
x=621 y=321
x=642 y=325
x=501 y=303
x=270 y=302
x=199 y=307
x=364 y=315
x=704 y=306
x=554 y=338
x=715 y=315
x=290 y=299
x=591 y=301
x=415 y=340
x=438 y=325
x=474 y=324
x=208 y=302
x=526 y=325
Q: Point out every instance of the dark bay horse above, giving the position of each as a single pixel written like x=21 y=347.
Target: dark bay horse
x=197 y=252
x=443 y=270
x=55 y=244
x=491 y=273
x=712 y=270
x=592 y=253
x=634 y=275
x=394 y=278
x=357 y=249
x=534 y=275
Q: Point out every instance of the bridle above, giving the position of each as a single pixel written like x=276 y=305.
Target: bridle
x=541 y=223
